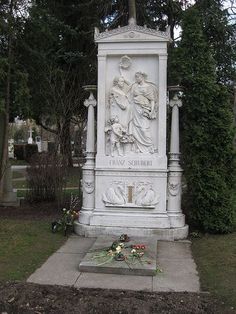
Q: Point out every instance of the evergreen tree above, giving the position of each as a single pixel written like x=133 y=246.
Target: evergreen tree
x=208 y=156
x=60 y=56
x=220 y=35
x=14 y=93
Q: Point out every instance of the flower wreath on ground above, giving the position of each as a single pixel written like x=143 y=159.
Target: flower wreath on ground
x=121 y=250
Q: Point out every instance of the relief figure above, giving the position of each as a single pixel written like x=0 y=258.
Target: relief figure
x=118 y=101
x=115 y=195
x=143 y=97
x=116 y=132
x=145 y=196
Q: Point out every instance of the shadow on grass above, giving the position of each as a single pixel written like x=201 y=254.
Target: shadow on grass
x=215 y=256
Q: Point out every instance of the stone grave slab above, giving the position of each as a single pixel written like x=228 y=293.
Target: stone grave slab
x=144 y=266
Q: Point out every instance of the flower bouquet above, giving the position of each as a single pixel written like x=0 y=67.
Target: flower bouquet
x=120 y=251
x=68 y=217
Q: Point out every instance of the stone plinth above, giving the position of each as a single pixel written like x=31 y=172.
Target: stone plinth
x=168 y=234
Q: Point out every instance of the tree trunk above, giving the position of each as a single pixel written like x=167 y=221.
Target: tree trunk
x=132 y=10
x=5 y=114
x=65 y=142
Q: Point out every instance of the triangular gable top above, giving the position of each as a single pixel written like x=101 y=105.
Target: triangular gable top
x=132 y=33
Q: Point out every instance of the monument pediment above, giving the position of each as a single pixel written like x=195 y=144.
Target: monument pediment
x=132 y=33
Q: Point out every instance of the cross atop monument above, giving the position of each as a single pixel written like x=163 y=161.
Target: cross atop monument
x=132 y=12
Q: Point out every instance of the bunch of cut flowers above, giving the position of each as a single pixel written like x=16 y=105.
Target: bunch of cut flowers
x=66 y=222
x=120 y=251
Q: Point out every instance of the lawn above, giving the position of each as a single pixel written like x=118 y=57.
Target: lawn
x=24 y=246
x=72 y=179
x=215 y=256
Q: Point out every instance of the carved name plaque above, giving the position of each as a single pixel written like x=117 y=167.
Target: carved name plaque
x=130 y=163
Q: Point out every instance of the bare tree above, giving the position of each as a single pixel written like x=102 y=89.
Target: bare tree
x=63 y=102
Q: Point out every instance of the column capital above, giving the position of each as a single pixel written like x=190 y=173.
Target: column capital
x=176 y=101
x=91 y=101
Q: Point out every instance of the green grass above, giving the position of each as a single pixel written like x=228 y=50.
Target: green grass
x=18 y=174
x=15 y=162
x=73 y=177
x=19 y=184
x=24 y=246
x=215 y=256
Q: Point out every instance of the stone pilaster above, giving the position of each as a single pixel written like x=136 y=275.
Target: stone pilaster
x=88 y=181
x=175 y=171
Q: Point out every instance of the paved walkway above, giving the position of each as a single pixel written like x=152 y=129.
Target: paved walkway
x=174 y=258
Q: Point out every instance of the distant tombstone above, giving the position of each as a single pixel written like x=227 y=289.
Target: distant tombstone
x=44 y=146
x=30 y=139
x=39 y=143
x=11 y=148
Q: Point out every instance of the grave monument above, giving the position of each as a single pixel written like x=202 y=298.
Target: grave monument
x=128 y=184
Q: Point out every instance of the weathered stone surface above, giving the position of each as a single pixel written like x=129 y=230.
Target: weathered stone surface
x=168 y=234
x=174 y=258
x=114 y=281
x=77 y=245
x=59 y=269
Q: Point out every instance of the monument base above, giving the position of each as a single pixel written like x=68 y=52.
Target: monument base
x=168 y=234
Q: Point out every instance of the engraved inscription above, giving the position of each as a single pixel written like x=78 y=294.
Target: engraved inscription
x=130 y=163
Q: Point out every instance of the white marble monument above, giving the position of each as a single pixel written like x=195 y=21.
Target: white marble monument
x=128 y=186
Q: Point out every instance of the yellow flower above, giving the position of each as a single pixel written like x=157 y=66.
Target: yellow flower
x=133 y=251
x=118 y=248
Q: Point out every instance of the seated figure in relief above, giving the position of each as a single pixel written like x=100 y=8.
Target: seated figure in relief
x=118 y=101
x=143 y=97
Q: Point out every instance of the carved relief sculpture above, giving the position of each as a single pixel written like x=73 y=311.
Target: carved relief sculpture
x=118 y=101
x=115 y=195
x=143 y=98
x=145 y=195
x=116 y=132
x=133 y=106
x=173 y=188
x=88 y=186
x=139 y=194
